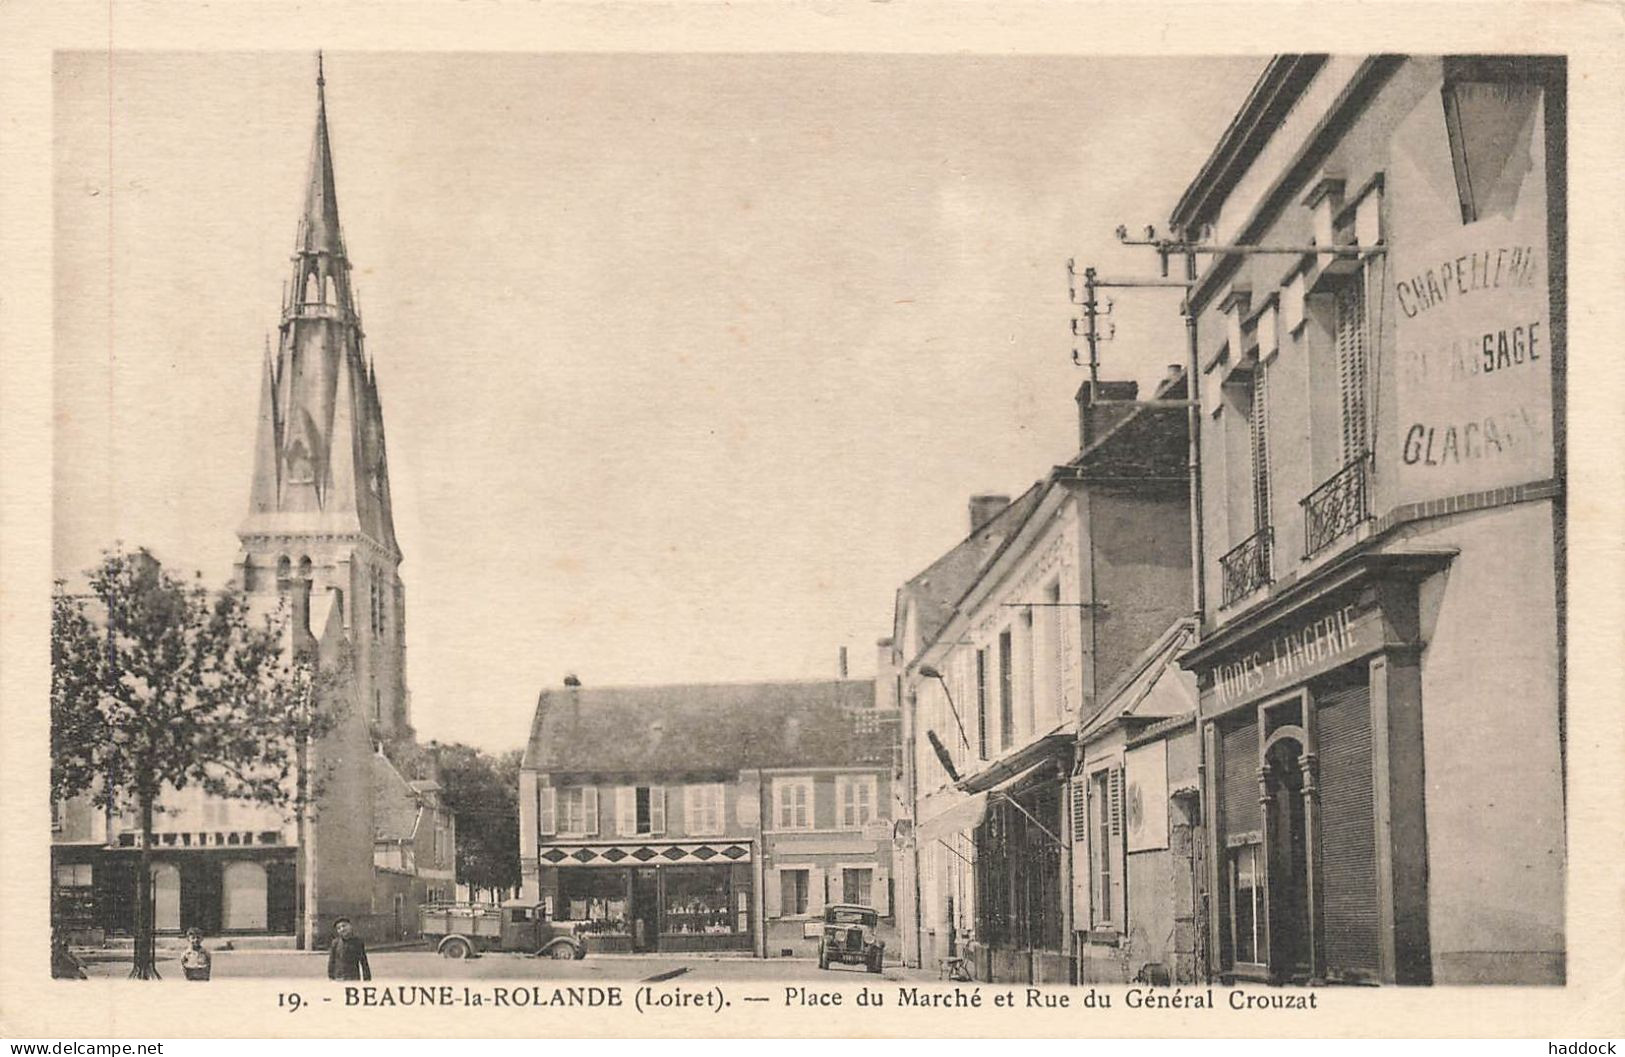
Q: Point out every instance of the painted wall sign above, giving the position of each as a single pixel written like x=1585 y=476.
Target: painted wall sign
x=1470 y=297
x=1290 y=657
x=1145 y=773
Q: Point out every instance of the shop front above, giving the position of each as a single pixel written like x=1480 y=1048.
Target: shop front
x=1022 y=876
x=1311 y=715
x=252 y=891
x=656 y=897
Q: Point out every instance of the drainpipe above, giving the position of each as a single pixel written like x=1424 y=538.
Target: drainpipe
x=761 y=866
x=914 y=816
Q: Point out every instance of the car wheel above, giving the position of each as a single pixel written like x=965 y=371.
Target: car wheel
x=874 y=962
x=561 y=952
x=456 y=948
x=823 y=959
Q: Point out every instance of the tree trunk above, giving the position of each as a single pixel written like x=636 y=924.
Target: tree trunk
x=145 y=965
x=302 y=882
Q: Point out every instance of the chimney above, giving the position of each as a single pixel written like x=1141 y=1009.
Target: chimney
x=571 y=681
x=885 y=675
x=984 y=508
x=1102 y=405
x=841 y=663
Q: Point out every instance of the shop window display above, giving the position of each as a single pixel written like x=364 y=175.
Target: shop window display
x=597 y=898
x=698 y=901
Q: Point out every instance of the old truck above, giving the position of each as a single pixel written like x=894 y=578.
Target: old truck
x=467 y=930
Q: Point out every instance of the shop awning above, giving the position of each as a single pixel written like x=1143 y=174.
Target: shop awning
x=1053 y=747
x=962 y=817
x=1017 y=782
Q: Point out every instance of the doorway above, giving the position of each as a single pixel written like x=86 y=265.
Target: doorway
x=1288 y=863
x=166 y=897
x=645 y=909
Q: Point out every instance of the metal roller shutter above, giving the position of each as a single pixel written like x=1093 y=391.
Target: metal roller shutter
x=1348 y=833
x=1240 y=794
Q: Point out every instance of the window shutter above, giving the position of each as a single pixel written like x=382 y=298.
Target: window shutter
x=1351 y=368
x=1261 y=450
x=1119 y=855
x=772 y=899
x=589 y=797
x=626 y=810
x=881 y=894
x=544 y=813
x=1117 y=801
x=657 y=809
x=1083 y=871
x=815 y=891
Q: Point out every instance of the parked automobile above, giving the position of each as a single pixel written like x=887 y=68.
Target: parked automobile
x=467 y=930
x=849 y=937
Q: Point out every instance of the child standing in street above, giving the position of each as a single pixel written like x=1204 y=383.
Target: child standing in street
x=196 y=963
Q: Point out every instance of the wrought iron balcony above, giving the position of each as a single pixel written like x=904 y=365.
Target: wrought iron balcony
x=1337 y=507
x=1247 y=567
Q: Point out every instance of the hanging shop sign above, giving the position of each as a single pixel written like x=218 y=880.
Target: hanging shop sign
x=1467 y=284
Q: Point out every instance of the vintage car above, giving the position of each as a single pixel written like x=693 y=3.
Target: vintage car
x=849 y=936
x=467 y=930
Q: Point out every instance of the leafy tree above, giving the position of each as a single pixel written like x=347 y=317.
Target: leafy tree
x=156 y=684
x=482 y=792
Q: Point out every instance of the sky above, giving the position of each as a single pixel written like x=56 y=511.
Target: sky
x=686 y=361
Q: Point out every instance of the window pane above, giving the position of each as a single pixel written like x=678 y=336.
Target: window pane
x=792 y=892
x=1245 y=905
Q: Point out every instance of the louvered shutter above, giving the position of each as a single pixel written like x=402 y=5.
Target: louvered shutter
x=1116 y=786
x=545 y=813
x=1080 y=809
x=1348 y=832
x=815 y=891
x=1116 y=854
x=626 y=811
x=771 y=896
x=589 y=798
x=1261 y=449
x=657 y=809
x=1351 y=368
x=1082 y=870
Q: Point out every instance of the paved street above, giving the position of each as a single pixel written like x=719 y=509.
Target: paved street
x=390 y=966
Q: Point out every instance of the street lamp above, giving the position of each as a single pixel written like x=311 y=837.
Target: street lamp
x=931 y=673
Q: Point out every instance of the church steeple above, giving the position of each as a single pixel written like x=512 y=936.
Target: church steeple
x=320 y=441
x=319 y=505
x=319 y=230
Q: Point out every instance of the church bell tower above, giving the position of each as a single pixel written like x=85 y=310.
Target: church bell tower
x=319 y=512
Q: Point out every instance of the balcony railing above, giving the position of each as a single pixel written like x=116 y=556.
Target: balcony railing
x=1337 y=507
x=1247 y=567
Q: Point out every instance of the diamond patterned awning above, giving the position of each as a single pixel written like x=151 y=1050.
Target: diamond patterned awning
x=614 y=854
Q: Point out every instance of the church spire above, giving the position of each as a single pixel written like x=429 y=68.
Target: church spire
x=319 y=230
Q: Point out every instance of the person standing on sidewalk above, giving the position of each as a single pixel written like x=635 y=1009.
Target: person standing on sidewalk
x=196 y=962
x=347 y=958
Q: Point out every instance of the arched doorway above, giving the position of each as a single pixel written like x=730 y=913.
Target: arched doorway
x=244 y=900
x=1287 y=867
x=166 y=897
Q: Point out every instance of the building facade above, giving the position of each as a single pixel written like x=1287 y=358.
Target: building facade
x=1380 y=663
x=1091 y=565
x=708 y=817
x=1139 y=882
